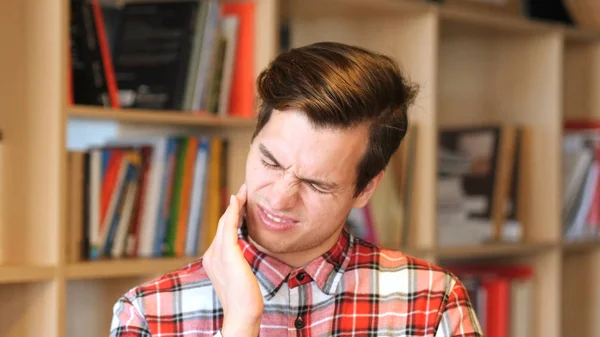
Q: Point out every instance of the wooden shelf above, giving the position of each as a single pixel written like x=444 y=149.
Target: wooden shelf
x=104 y=269
x=492 y=250
x=574 y=34
x=352 y=8
x=491 y=21
x=157 y=117
x=580 y=246
x=25 y=274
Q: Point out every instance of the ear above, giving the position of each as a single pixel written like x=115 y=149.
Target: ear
x=365 y=195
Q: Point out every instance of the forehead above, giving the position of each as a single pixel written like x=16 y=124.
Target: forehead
x=318 y=151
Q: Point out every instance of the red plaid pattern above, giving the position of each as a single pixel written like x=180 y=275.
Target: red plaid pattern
x=355 y=289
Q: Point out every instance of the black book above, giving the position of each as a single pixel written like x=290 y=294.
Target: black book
x=152 y=50
x=89 y=82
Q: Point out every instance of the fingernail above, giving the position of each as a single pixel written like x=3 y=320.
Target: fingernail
x=231 y=199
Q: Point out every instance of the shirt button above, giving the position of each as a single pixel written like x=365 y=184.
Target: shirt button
x=300 y=276
x=299 y=323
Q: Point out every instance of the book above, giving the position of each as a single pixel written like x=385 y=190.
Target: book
x=480 y=182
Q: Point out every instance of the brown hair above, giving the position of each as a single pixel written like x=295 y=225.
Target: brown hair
x=341 y=86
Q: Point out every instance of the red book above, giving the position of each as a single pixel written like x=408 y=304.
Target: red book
x=241 y=101
x=497 y=310
x=109 y=71
x=581 y=124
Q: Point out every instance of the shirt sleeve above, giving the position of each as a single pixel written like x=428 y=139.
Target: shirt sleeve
x=128 y=321
x=458 y=317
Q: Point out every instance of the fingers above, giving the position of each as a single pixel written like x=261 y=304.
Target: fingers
x=226 y=235
x=230 y=220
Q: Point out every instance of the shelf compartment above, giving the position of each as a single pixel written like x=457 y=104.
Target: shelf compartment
x=104 y=269
x=478 y=87
x=580 y=293
x=157 y=117
x=87 y=320
x=581 y=79
x=29 y=309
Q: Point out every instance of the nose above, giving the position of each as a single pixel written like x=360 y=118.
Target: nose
x=284 y=193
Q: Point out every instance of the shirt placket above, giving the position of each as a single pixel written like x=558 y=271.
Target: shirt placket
x=296 y=321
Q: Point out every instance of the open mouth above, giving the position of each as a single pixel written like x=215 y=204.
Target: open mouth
x=275 y=221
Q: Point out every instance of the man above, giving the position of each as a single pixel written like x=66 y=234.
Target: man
x=281 y=263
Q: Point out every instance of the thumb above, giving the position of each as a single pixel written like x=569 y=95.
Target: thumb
x=231 y=219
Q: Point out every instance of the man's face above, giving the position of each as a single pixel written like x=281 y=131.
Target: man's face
x=301 y=183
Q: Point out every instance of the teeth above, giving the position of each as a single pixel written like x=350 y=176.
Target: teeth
x=274 y=218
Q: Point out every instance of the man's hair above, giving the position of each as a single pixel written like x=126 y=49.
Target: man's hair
x=341 y=86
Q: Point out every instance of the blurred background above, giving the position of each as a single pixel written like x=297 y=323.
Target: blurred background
x=497 y=178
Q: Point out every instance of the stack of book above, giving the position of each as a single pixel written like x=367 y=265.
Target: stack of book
x=146 y=197
x=580 y=180
x=480 y=184
x=192 y=56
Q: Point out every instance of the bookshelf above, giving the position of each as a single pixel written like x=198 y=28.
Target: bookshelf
x=474 y=67
x=580 y=260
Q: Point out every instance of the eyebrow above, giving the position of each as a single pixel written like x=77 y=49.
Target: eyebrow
x=322 y=184
x=268 y=154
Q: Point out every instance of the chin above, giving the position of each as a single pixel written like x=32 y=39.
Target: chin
x=269 y=244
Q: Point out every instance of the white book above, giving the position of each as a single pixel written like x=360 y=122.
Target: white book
x=95 y=177
x=118 y=248
x=229 y=29
x=197 y=200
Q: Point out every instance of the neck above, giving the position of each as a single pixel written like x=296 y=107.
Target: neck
x=301 y=258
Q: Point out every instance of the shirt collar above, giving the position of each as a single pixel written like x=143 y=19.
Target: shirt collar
x=326 y=270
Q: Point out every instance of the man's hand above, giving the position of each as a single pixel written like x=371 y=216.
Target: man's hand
x=231 y=276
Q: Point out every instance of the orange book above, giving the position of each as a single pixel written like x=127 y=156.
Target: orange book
x=184 y=205
x=241 y=100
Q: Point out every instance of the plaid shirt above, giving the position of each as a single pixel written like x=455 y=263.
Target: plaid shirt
x=353 y=289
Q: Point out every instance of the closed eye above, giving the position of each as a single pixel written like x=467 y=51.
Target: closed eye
x=312 y=187
x=269 y=165
x=268 y=160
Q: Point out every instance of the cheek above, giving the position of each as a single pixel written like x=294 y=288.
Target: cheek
x=324 y=210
